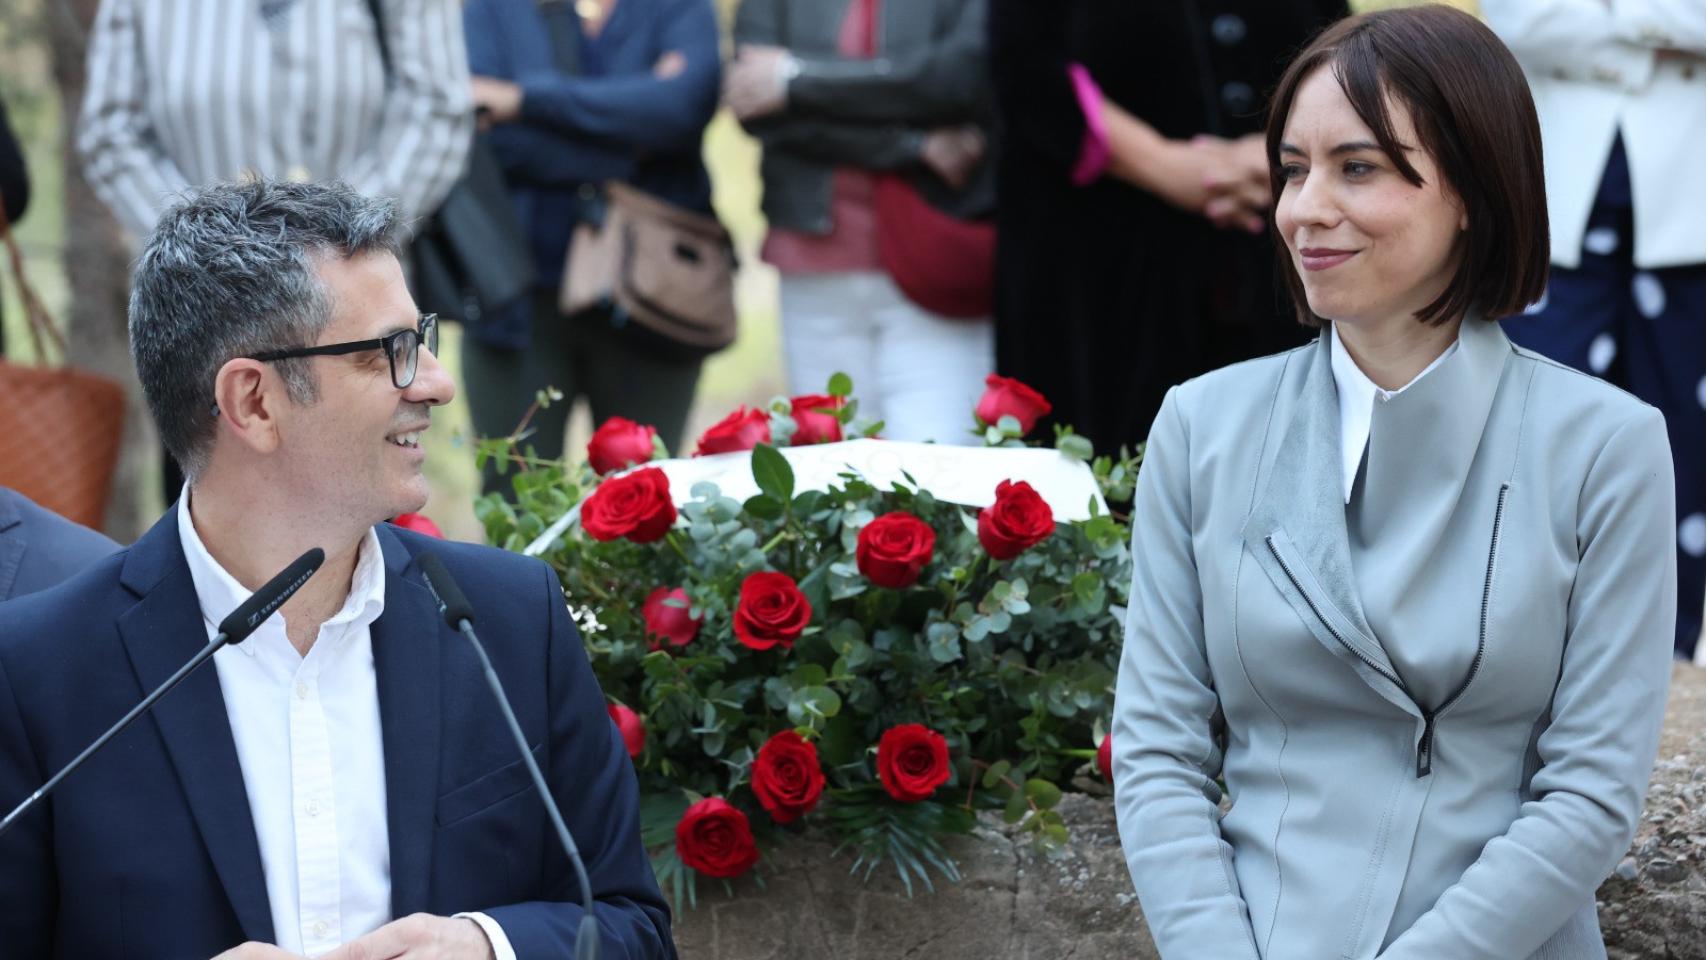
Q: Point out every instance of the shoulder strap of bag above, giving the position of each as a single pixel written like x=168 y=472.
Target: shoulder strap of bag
x=375 y=8
x=563 y=24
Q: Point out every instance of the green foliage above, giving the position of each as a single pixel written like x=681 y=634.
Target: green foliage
x=1012 y=662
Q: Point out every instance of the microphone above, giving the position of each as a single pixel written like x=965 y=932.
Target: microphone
x=232 y=630
x=460 y=615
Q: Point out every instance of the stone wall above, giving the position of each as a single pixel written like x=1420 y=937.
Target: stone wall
x=1015 y=905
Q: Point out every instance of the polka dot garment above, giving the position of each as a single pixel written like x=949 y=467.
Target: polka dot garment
x=1645 y=331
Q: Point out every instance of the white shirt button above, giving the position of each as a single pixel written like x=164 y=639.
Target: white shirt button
x=313 y=808
x=301 y=690
x=320 y=928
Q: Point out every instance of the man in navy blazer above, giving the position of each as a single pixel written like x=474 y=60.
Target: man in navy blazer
x=341 y=784
x=39 y=548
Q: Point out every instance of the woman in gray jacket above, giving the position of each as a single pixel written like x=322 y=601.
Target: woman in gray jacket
x=1408 y=590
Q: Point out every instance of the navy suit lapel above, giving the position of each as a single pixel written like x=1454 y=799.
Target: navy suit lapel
x=408 y=640
x=11 y=542
x=160 y=633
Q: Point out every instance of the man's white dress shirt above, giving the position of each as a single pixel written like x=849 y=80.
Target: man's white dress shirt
x=311 y=750
x=1357 y=397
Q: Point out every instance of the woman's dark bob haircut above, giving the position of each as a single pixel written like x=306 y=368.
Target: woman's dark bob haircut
x=1474 y=116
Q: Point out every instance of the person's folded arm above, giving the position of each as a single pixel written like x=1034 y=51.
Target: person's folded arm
x=945 y=83
x=884 y=147
x=535 y=157
x=641 y=109
x=530 y=154
x=1662 y=24
x=1573 y=40
x=1597 y=752
x=425 y=124
x=122 y=155
x=593 y=781
x=1164 y=749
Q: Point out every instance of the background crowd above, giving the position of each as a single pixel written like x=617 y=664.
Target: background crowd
x=1069 y=193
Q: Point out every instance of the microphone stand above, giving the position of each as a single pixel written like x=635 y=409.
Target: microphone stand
x=233 y=629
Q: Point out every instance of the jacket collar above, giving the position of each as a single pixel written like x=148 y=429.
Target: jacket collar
x=164 y=630
x=409 y=645
x=161 y=633
x=1429 y=434
x=11 y=541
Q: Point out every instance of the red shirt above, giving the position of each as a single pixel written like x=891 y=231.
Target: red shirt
x=851 y=243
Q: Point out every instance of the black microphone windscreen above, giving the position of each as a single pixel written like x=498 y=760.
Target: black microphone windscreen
x=456 y=606
x=272 y=595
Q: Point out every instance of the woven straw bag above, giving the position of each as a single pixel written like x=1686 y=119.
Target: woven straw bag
x=59 y=427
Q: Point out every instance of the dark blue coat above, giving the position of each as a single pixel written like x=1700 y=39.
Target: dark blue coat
x=39 y=548
x=612 y=121
x=149 y=850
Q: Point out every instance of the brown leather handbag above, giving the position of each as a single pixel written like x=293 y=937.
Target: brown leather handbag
x=59 y=427
x=667 y=270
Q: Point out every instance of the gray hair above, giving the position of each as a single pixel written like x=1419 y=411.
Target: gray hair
x=230 y=271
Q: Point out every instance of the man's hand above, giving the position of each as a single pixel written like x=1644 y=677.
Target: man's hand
x=953 y=153
x=257 y=951
x=672 y=64
x=755 y=84
x=419 y=937
x=495 y=101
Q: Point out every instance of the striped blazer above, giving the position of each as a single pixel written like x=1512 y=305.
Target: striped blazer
x=185 y=92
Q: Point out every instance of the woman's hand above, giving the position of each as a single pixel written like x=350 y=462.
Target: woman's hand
x=495 y=101
x=1237 y=181
x=1224 y=181
x=755 y=83
x=953 y=153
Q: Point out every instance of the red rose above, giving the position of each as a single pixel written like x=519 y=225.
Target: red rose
x=418 y=523
x=715 y=839
x=1105 y=757
x=772 y=611
x=633 y=730
x=894 y=548
x=912 y=761
x=813 y=423
x=741 y=430
x=667 y=622
x=1005 y=396
x=619 y=443
x=636 y=506
x=786 y=777
x=1018 y=520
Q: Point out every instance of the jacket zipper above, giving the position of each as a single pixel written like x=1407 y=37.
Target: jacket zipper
x=1424 y=747
x=1424 y=754
x=1298 y=586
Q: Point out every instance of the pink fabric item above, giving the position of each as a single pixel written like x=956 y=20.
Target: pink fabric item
x=1094 y=155
x=851 y=243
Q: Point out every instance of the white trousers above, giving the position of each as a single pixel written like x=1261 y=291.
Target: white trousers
x=919 y=373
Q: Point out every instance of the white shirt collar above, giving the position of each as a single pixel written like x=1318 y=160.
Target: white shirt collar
x=219 y=593
x=1357 y=397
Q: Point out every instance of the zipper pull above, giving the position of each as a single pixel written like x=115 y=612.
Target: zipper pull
x=1425 y=749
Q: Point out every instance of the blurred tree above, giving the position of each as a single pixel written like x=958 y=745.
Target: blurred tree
x=96 y=261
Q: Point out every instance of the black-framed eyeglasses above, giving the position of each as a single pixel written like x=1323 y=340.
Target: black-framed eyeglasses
x=401 y=348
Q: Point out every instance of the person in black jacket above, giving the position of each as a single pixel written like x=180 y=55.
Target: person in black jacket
x=1133 y=197
x=874 y=116
x=14 y=186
